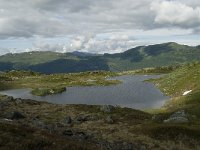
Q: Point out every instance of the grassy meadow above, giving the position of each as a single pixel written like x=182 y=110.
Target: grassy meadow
x=55 y=83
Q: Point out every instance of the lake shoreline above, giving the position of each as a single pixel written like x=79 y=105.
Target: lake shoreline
x=131 y=88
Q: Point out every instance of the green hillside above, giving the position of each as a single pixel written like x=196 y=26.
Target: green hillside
x=153 y=56
x=175 y=84
x=135 y=58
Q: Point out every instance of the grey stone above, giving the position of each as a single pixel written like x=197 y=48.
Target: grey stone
x=157 y=118
x=2 y=105
x=142 y=147
x=68 y=120
x=109 y=119
x=177 y=117
x=18 y=100
x=68 y=132
x=107 y=108
x=81 y=135
x=14 y=115
x=9 y=98
x=38 y=123
x=83 y=118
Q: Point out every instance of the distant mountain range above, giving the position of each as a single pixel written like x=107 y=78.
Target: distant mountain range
x=135 y=58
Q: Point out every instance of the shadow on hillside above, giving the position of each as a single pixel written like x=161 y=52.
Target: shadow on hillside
x=69 y=65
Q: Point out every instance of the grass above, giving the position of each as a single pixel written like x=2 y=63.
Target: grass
x=176 y=83
x=184 y=78
x=48 y=91
x=19 y=137
x=55 y=83
x=151 y=71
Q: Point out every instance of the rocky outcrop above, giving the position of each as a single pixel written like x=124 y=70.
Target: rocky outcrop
x=15 y=115
x=109 y=120
x=178 y=117
x=75 y=134
x=83 y=118
x=68 y=120
x=107 y=108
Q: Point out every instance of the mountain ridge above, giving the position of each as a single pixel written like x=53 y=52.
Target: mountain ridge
x=135 y=58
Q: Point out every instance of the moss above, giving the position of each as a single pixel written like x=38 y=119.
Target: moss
x=170 y=131
x=20 y=137
x=48 y=91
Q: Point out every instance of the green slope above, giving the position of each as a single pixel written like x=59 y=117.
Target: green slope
x=31 y=58
x=186 y=78
x=153 y=56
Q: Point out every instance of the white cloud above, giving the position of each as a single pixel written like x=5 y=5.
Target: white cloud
x=176 y=13
x=95 y=25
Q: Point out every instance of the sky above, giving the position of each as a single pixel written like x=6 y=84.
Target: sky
x=96 y=26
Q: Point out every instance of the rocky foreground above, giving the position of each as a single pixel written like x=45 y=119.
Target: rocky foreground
x=28 y=124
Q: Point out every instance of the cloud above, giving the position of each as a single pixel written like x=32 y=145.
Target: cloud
x=110 y=43
x=57 y=18
x=95 y=25
x=175 y=13
x=50 y=18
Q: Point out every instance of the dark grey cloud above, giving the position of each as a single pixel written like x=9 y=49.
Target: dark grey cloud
x=24 y=18
x=82 y=18
x=58 y=17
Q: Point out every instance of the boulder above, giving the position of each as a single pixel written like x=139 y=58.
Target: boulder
x=9 y=98
x=68 y=132
x=68 y=120
x=83 y=118
x=158 y=118
x=109 y=120
x=2 y=105
x=18 y=101
x=81 y=135
x=38 y=123
x=107 y=108
x=75 y=134
x=92 y=118
x=177 y=117
x=15 y=115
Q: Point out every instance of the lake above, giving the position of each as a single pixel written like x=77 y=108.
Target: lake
x=132 y=93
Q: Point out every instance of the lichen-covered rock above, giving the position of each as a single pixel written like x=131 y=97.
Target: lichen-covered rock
x=177 y=117
x=156 y=118
x=15 y=115
x=68 y=120
x=38 y=123
x=83 y=118
x=75 y=134
x=107 y=108
x=18 y=101
x=9 y=98
x=68 y=132
x=109 y=120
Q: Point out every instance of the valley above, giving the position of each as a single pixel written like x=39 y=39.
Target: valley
x=174 y=125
